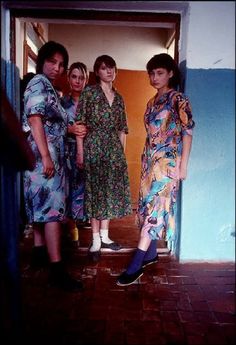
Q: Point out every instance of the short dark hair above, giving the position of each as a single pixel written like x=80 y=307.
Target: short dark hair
x=80 y=66
x=47 y=51
x=164 y=60
x=107 y=60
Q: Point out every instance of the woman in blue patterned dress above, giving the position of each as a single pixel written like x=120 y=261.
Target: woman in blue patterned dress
x=77 y=78
x=45 y=187
x=107 y=191
x=168 y=122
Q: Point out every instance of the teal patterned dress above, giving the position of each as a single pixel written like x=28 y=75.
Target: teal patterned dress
x=107 y=189
x=167 y=121
x=45 y=198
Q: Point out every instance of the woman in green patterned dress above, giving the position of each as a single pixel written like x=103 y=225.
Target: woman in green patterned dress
x=107 y=192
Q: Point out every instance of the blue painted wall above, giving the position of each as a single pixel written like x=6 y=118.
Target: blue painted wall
x=208 y=195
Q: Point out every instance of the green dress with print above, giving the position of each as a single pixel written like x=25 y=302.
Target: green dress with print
x=107 y=190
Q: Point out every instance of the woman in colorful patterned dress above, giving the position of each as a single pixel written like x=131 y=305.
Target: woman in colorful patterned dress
x=107 y=190
x=78 y=78
x=45 y=187
x=168 y=122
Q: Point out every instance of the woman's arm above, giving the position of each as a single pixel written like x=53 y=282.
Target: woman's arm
x=187 y=144
x=38 y=133
x=80 y=152
x=122 y=137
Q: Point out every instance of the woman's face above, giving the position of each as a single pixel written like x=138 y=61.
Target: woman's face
x=106 y=74
x=159 y=78
x=77 y=80
x=53 y=67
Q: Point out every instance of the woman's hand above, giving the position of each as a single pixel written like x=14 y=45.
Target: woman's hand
x=78 y=129
x=182 y=172
x=48 y=166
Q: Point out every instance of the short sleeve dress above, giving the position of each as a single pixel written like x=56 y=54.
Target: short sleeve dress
x=166 y=120
x=45 y=199
x=107 y=189
x=75 y=205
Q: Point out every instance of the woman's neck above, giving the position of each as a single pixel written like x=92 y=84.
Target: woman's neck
x=162 y=91
x=107 y=87
x=75 y=96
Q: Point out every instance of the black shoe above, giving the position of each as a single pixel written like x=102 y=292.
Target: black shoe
x=94 y=256
x=39 y=258
x=150 y=262
x=60 y=278
x=112 y=245
x=128 y=279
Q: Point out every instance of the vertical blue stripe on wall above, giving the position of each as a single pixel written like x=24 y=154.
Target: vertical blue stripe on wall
x=208 y=195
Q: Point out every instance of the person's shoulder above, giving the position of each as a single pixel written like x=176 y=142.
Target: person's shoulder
x=89 y=89
x=179 y=96
x=118 y=94
x=37 y=80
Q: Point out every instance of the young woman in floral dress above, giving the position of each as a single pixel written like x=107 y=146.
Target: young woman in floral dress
x=107 y=190
x=168 y=122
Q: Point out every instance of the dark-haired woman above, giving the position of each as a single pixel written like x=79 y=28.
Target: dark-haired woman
x=45 y=187
x=107 y=190
x=168 y=122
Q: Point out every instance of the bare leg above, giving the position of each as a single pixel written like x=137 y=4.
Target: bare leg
x=105 y=223
x=96 y=243
x=39 y=238
x=53 y=240
x=144 y=243
x=95 y=223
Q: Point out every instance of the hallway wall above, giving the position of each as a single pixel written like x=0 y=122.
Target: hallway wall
x=208 y=196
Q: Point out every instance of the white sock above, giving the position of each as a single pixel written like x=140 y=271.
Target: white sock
x=96 y=242
x=104 y=236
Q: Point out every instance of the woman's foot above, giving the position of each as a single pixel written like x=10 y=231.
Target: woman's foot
x=150 y=262
x=113 y=246
x=128 y=279
x=94 y=252
x=60 y=278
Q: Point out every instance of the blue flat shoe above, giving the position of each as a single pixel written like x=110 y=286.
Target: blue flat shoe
x=128 y=279
x=150 y=262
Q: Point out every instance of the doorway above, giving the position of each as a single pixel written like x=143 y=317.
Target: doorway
x=131 y=83
x=131 y=32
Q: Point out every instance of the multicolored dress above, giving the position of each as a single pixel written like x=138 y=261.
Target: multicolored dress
x=166 y=120
x=75 y=205
x=45 y=198
x=107 y=189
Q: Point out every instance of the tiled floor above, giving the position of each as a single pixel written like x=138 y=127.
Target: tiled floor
x=172 y=303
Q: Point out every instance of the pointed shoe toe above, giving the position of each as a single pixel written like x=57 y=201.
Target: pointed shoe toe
x=128 y=279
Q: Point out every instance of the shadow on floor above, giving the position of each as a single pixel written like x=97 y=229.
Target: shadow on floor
x=170 y=304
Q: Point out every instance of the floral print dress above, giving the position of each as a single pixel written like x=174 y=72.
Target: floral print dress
x=107 y=189
x=75 y=205
x=45 y=198
x=166 y=120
